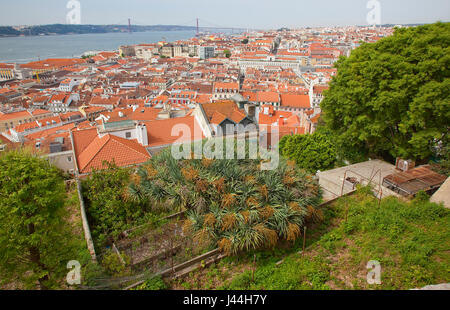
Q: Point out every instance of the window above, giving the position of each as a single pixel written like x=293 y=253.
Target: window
x=128 y=135
x=69 y=159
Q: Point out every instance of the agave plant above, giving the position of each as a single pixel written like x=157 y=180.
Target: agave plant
x=231 y=203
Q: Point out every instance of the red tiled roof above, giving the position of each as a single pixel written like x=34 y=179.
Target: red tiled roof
x=217 y=118
x=268 y=96
x=315 y=119
x=109 y=148
x=40 y=112
x=14 y=115
x=26 y=126
x=227 y=109
x=222 y=85
x=295 y=101
x=47 y=132
x=82 y=138
x=159 y=132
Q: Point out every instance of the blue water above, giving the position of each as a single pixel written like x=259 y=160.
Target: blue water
x=26 y=49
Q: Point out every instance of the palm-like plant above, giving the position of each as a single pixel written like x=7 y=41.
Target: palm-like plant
x=231 y=203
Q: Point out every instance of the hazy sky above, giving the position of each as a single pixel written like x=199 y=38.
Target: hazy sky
x=258 y=14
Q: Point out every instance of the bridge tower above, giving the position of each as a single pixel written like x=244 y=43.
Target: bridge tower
x=129 y=25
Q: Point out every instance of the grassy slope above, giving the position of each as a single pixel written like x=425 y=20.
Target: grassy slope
x=410 y=240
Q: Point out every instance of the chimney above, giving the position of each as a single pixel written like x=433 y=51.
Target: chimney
x=142 y=134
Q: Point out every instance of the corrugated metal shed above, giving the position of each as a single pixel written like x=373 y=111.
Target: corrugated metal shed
x=408 y=183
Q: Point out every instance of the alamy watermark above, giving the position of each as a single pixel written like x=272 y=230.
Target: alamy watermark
x=74 y=275
x=73 y=17
x=374 y=274
x=374 y=15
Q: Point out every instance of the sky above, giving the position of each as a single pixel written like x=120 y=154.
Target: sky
x=253 y=14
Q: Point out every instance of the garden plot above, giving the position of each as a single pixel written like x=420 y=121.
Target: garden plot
x=158 y=249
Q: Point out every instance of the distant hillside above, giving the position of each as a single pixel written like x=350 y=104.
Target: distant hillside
x=8 y=31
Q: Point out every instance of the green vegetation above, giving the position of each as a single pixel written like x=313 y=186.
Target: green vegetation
x=391 y=98
x=109 y=211
x=227 y=53
x=409 y=239
x=443 y=165
x=245 y=41
x=36 y=239
x=311 y=152
x=8 y=31
x=153 y=284
x=231 y=203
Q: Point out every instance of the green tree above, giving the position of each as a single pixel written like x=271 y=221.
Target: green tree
x=312 y=151
x=391 y=98
x=109 y=212
x=35 y=240
x=245 y=41
x=227 y=53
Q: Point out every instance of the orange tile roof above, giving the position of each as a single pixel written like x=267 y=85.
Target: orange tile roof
x=159 y=132
x=268 y=96
x=217 y=112
x=58 y=97
x=53 y=63
x=217 y=118
x=273 y=117
x=40 y=112
x=295 y=101
x=14 y=115
x=47 y=132
x=109 y=148
x=229 y=85
x=203 y=98
x=82 y=138
x=104 y=101
x=26 y=126
x=315 y=119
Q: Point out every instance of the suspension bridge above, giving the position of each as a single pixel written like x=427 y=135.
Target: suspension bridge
x=197 y=24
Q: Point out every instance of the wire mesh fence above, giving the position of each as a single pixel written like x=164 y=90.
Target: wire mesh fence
x=145 y=252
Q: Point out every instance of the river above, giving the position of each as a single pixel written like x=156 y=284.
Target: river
x=26 y=49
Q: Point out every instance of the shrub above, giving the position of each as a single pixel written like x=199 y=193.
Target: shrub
x=153 y=284
x=312 y=151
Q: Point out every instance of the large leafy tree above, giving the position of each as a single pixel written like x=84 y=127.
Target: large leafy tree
x=35 y=240
x=392 y=97
x=311 y=152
